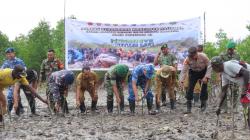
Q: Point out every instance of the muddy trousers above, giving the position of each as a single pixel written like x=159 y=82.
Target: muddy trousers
x=62 y=101
x=10 y=100
x=93 y=94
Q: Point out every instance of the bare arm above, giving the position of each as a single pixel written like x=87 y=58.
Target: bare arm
x=156 y=60
x=116 y=93
x=135 y=89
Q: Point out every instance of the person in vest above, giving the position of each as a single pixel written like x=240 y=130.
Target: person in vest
x=165 y=80
x=10 y=62
x=199 y=68
x=57 y=90
x=9 y=77
x=141 y=76
x=164 y=57
x=114 y=83
x=32 y=78
x=86 y=81
x=49 y=65
x=233 y=71
x=231 y=54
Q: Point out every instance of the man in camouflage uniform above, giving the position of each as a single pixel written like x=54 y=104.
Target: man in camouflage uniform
x=164 y=57
x=49 y=65
x=58 y=84
x=10 y=62
x=86 y=81
x=114 y=84
x=231 y=54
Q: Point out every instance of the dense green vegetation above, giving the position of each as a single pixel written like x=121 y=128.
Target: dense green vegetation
x=32 y=48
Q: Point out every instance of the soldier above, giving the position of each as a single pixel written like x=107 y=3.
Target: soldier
x=164 y=57
x=231 y=54
x=141 y=76
x=165 y=79
x=10 y=77
x=10 y=62
x=49 y=65
x=198 y=66
x=114 y=84
x=233 y=71
x=86 y=81
x=32 y=78
x=58 y=85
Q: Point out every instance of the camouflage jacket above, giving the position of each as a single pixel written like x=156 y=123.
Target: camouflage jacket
x=47 y=67
x=226 y=57
x=168 y=59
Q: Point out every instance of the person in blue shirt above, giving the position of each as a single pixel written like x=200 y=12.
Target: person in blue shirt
x=141 y=76
x=10 y=62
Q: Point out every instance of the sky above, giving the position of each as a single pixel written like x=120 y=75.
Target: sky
x=20 y=16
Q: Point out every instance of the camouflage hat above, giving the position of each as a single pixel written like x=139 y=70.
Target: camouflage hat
x=164 y=46
x=216 y=60
x=165 y=71
x=149 y=71
x=231 y=45
x=192 y=51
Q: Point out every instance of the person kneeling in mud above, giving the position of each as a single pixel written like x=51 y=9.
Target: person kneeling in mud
x=32 y=79
x=86 y=81
x=141 y=76
x=233 y=71
x=114 y=84
x=165 y=79
x=57 y=90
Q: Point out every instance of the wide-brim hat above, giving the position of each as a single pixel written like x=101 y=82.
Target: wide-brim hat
x=165 y=71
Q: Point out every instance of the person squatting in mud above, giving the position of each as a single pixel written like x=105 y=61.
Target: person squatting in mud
x=86 y=81
x=10 y=62
x=57 y=90
x=114 y=82
x=32 y=78
x=9 y=77
x=164 y=57
x=199 y=68
x=141 y=76
x=165 y=79
x=236 y=72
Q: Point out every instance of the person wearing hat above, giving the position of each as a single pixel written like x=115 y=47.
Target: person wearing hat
x=58 y=85
x=9 y=77
x=233 y=71
x=165 y=79
x=164 y=57
x=10 y=62
x=141 y=76
x=230 y=54
x=114 y=83
x=32 y=78
x=86 y=81
x=198 y=66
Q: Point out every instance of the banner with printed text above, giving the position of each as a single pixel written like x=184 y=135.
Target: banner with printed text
x=101 y=45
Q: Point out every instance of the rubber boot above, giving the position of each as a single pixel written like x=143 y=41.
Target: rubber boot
x=163 y=99
x=65 y=108
x=189 y=107
x=122 y=104
x=93 y=105
x=82 y=107
x=196 y=98
x=10 y=105
x=203 y=105
x=248 y=120
x=150 y=106
x=110 y=106
x=1 y=121
x=132 y=107
x=21 y=107
x=172 y=104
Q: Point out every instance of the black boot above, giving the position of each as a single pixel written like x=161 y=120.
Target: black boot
x=172 y=104
x=93 y=105
x=203 y=105
x=248 y=120
x=65 y=108
x=82 y=107
x=150 y=106
x=163 y=99
x=132 y=106
x=122 y=104
x=189 y=107
x=110 y=105
x=10 y=106
x=21 y=107
x=196 y=98
x=1 y=121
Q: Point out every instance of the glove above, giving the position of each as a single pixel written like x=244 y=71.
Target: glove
x=218 y=112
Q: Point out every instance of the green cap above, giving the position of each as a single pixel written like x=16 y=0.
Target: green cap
x=231 y=45
x=216 y=60
x=164 y=46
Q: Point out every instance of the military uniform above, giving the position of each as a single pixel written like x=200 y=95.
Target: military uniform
x=116 y=75
x=47 y=67
x=165 y=82
x=87 y=83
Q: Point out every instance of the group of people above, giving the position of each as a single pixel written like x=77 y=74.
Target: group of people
x=196 y=73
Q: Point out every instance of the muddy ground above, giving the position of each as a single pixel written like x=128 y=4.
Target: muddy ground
x=172 y=125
